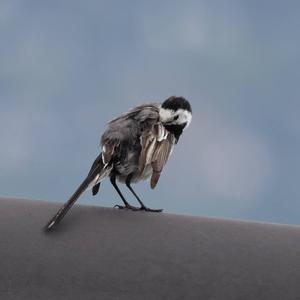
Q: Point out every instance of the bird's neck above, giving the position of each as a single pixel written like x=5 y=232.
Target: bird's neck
x=176 y=130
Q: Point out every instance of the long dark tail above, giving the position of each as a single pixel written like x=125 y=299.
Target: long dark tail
x=96 y=169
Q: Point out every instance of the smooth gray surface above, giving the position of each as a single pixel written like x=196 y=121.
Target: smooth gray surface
x=100 y=253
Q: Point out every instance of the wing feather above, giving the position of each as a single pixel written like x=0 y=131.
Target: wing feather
x=107 y=152
x=157 y=145
x=160 y=158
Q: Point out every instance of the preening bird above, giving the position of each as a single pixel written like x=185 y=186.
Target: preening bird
x=135 y=146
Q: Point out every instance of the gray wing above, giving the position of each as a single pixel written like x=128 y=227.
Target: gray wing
x=142 y=123
x=157 y=146
x=128 y=128
x=160 y=158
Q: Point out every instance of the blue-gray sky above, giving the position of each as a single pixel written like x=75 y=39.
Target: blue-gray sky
x=67 y=67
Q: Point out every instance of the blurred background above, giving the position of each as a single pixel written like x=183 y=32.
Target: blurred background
x=68 y=67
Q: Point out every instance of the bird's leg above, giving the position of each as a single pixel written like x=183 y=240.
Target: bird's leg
x=126 y=204
x=143 y=207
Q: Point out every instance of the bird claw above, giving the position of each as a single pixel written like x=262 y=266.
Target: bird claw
x=150 y=209
x=126 y=207
x=144 y=208
x=119 y=206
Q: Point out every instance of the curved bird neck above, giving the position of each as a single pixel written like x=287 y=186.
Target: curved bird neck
x=176 y=130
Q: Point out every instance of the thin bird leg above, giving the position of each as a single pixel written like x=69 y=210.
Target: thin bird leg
x=126 y=204
x=143 y=207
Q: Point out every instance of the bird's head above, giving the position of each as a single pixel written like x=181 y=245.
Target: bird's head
x=176 y=111
x=175 y=114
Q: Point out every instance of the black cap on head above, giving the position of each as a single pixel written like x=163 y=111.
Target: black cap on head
x=176 y=103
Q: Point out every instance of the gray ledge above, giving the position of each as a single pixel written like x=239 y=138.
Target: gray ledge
x=103 y=253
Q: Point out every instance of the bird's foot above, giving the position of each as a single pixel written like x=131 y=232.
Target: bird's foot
x=150 y=209
x=126 y=207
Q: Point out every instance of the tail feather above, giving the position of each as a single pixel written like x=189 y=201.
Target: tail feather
x=96 y=170
x=95 y=189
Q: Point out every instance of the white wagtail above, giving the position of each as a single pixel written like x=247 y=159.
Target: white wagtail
x=135 y=146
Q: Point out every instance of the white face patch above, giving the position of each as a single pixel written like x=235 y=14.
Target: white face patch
x=167 y=116
x=184 y=117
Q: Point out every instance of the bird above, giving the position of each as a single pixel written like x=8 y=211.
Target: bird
x=135 y=146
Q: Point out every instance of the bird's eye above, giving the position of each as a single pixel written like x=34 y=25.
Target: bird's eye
x=176 y=118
